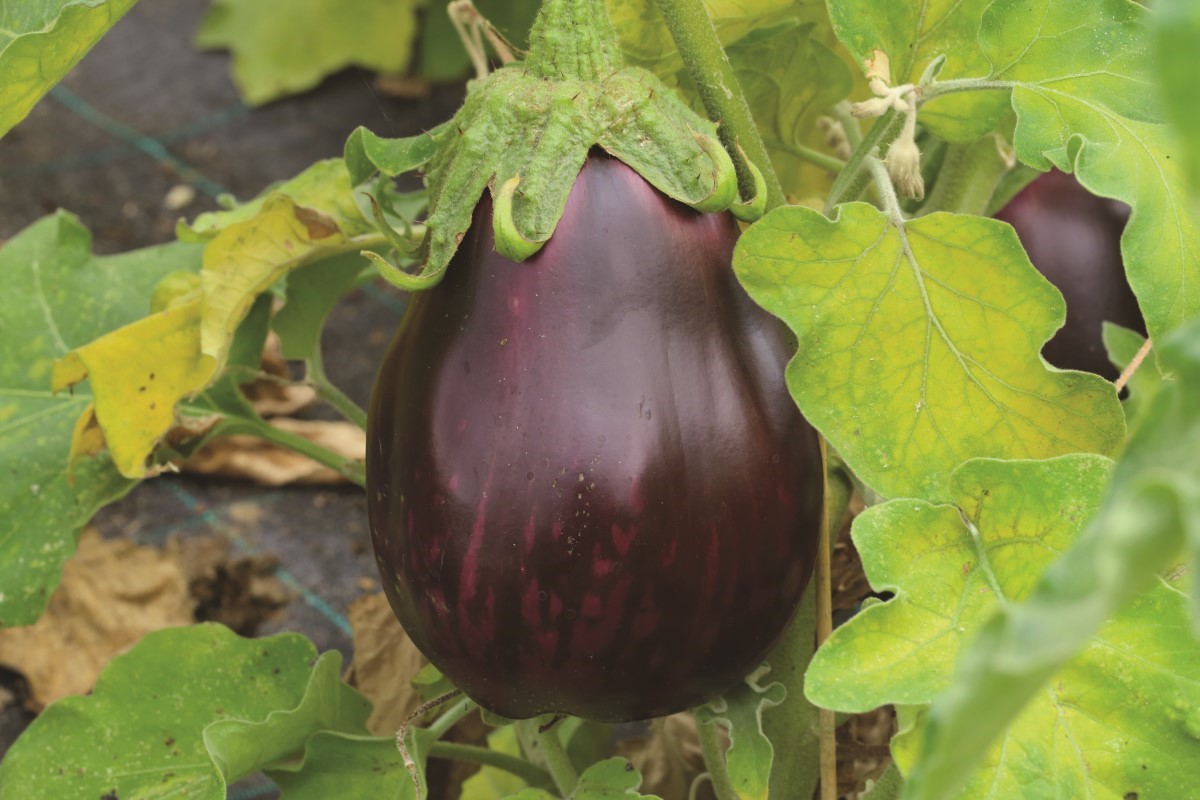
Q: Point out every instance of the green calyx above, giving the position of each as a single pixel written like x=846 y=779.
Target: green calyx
x=524 y=133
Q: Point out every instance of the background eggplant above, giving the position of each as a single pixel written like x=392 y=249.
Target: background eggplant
x=1074 y=239
x=589 y=490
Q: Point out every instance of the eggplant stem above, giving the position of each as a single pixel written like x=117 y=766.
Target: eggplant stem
x=1127 y=373
x=556 y=758
x=706 y=62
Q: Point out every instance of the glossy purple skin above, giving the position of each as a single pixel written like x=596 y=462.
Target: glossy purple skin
x=1074 y=239
x=589 y=490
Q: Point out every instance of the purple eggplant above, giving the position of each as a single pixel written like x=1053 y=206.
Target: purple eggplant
x=1074 y=239
x=589 y=490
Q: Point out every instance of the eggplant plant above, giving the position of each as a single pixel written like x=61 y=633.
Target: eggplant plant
x=683 y=278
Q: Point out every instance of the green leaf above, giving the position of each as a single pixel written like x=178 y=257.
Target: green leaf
x=240 y=747
x=919 y=344
x=1177 y=27
x=355 y=767
x=442 y=55
x=913 y=34
x=312 y=292
x=750 y=754
x=1137 y=675
x=57 y=297
x=947 y=576
x=142 y=731
x=41 y=42
x=611 y=779
x=282 y=47
x=1084 y=92
x=792 y=728
x=1122 y=345
x=365 y=153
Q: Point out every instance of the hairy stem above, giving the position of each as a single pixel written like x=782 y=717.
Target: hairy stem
x=714 y=760
x=712 y=73
x=442 y=725
x=968 y=178
x=853 y=180
x=331 y=394
x=555 y=756
x=533 y=775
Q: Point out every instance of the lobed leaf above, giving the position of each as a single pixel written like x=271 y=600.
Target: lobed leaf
x=1086 y=102
x=58 y=296
x=184 y=713
x=344 y=765
x=1141 y=667
x=1114 y=719
x=282 y=47
x=41 y=42
x=750 y=755
x=918 y=344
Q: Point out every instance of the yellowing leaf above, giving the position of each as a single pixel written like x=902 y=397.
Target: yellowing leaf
x=244 y=259
x=918 y=344
x=40 y=42
x=281 y=47
x=138 y=373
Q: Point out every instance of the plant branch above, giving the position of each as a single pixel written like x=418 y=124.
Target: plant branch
x=557 y=761
x=887 y=191
x=446 y=721
x=712 y=73
x=531 y=774
x=939 y=88
x=1138 y=358
x=852 y=180
x=331 y=394
x=351 y=470
x=714 y=760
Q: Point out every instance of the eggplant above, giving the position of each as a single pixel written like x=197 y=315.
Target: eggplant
x=1074 y=239
x=589 y=490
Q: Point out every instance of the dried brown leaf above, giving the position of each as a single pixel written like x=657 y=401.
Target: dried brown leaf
x=668 y=757
x=240 y=592
x=385 y=662
x=113 y=592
